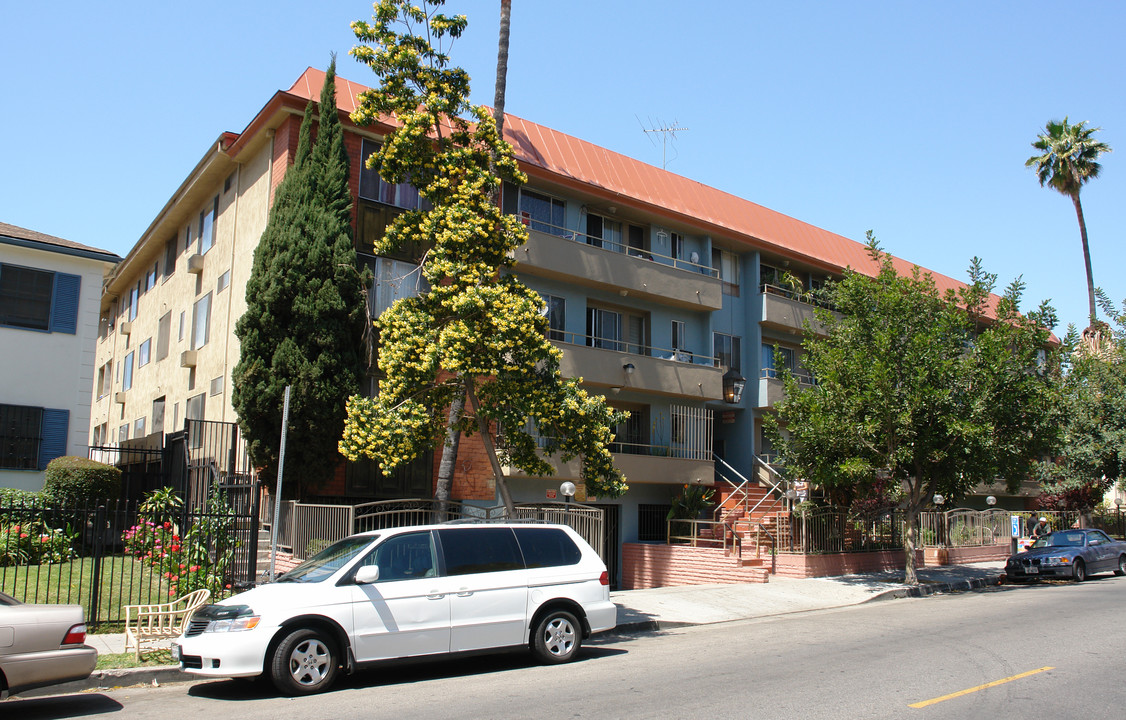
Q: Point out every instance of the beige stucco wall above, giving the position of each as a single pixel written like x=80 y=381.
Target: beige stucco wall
x=238 y=226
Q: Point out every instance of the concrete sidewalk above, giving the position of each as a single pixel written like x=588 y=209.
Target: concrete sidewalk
x=661 y=608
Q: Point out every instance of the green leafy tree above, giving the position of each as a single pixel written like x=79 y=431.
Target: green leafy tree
x=1068 y=159
x=1092 y=453
x=477 y=332
x=305 y=319
x=919 y=388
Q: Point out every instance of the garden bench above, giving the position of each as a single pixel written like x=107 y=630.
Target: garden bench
x=147 y=623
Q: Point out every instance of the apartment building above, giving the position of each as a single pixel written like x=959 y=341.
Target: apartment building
x=50 y=289
x=664 y=294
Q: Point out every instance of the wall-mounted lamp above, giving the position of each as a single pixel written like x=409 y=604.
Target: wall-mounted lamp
x=990 y=501
x=628 y=367
x=939 y=499
x=733 y=384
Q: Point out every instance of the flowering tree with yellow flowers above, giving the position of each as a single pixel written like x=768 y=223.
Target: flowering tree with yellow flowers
x=477 y=333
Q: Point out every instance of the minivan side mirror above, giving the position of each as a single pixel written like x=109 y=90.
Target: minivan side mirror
x=367 y=574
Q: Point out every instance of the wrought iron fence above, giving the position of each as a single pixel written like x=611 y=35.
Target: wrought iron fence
x=83 y=554
x=832 y=530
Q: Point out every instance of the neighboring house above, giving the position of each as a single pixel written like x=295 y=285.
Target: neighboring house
x=663 y=293
x=50 y=291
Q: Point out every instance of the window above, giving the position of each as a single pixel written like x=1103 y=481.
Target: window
x=163 y=333
x=727 y=263
x=228 y=183
x=169 y=257
x=604 y=233
x=127 y=372
x=543 y=213
x=207 y=227
x=556 y=316
x=139 y=428
x=623 y=331
x=158 y=415
x=123 y=433
x=201 y=321
x=105 y=379
x=224 y=281
x=150 y=277
x=39 y=299
x=769 y=275
x=405 y=557
x=181 y=336
x=188 y=237
x=480 y=550
x=392 y=280
x=375 y=188
x=143 y=353
x=131 y=303
x=677 y=248
x=31 y=437
x=195 y=407
x=547 y=547
x=216 y=386
x=677 y=334
x=769 y=368
x=726 y=350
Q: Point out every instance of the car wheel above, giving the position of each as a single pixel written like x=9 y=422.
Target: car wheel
x=1121 y=569
x=1079 y=572
x=557 y=637
x=303 y=663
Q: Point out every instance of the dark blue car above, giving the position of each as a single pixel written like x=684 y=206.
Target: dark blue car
x=1070 y=554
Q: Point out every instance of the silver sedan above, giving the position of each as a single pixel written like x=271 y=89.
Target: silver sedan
x=41 y=645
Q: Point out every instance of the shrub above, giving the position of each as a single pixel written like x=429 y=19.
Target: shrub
x=71 y=478
x=32 y=543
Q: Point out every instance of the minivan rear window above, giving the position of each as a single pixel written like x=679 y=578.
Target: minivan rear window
x=480 y=550
x=547 y=547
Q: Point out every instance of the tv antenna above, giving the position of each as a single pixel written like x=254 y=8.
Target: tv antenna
x=666 y=131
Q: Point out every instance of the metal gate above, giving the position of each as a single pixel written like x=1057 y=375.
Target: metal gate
x=611 y=541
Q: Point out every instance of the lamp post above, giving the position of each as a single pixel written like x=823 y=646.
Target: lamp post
x=567 y=490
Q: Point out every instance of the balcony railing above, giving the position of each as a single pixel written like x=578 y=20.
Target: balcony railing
x=632 y=348
x=617 y=246
x=808 y=297
x=804 y=377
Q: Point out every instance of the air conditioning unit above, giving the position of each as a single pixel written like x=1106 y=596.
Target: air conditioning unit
x=195 y=264
x=119 y=397
x=126 y=327
x=188 y=358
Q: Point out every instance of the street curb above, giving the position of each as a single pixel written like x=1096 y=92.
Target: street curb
x=111 y=679
x=925 y=590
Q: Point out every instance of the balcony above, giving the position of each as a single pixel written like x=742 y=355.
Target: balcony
x=782 y=310
x=771 y=389
x=566 y=255
x=670 y=373
x=648 y=469
x=188 y=358
x=195 y=264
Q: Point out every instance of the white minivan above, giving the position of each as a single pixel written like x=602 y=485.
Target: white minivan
x=407 y=592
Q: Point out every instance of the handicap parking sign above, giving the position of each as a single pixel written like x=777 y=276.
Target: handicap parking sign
x=1016 y=525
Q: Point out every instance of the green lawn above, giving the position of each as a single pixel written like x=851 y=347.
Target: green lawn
x=123 y=580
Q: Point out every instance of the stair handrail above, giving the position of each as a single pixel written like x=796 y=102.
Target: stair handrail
x=773 y=546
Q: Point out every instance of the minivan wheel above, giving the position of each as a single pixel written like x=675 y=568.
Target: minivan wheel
x=557 y=637
x=303 y=663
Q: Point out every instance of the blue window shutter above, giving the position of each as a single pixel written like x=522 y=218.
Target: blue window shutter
x=64 y=303
x=53 y=445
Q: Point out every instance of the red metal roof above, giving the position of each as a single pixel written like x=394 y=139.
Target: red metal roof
x=550 y=154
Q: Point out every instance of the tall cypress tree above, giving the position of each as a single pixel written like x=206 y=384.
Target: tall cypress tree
x=305 y=318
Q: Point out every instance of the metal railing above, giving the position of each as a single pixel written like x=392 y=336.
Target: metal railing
x=614 y=344
x=694 y=532
x=805 y=297
x=80 y=553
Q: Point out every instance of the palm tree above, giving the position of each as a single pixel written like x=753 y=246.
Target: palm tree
x=1069 y=158
x=502 y=65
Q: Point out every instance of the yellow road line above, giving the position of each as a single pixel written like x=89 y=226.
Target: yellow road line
x=995 y=683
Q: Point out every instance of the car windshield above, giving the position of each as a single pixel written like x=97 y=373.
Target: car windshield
x=328 y=561
x=1060 y=539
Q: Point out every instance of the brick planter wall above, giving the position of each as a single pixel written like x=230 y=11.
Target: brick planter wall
x=649 y=566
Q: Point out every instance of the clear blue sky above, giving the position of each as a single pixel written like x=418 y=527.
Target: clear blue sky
x=912 y=119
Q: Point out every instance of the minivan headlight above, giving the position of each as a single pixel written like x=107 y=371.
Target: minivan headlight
x=230 y=618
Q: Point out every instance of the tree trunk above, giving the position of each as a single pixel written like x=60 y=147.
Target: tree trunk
x=502 y=66
x=1086 y=257
x=491 y=452
x=448 y=463
x=911 y=520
